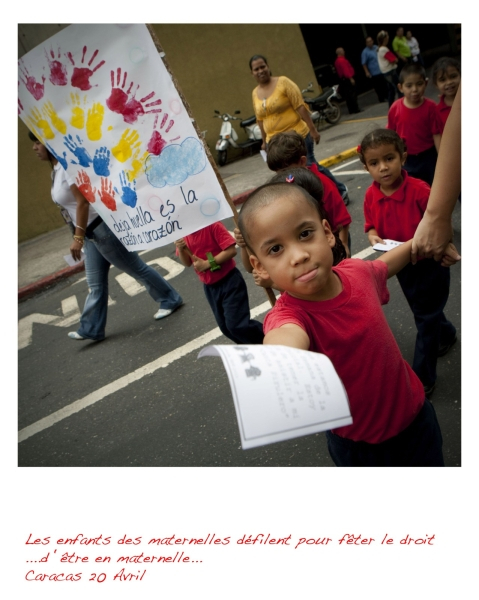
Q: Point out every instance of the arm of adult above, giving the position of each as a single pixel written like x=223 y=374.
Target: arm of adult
x=434 y=232
x=81 y=221
x=306 y=116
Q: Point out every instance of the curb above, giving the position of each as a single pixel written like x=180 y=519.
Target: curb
x=50 y=280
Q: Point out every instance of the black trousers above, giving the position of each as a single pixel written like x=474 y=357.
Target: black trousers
x=348 y=92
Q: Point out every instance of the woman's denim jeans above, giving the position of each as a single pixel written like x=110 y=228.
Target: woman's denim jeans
x=311 y=159
x=102 y=250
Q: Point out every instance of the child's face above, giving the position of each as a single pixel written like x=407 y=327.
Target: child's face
x=413 y=89
x=447 y=82
x=292 y=246
x=384 y=164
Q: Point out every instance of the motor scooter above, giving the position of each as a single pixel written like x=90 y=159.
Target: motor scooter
x=324 y=107
x=228 y=135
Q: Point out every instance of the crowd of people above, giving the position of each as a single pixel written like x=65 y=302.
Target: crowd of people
x=293 y=234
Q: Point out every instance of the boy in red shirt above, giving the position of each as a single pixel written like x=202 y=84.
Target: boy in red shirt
x=211 y=250
x=417 y=121
x=337 y=311
x=393 y=208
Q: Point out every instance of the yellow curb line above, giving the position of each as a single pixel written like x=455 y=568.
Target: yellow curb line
x=332 y=160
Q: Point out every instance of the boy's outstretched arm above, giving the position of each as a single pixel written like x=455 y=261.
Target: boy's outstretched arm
x=397 y=258
x=288 y=335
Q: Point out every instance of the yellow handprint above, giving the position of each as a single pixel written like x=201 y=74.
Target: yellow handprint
x=59 y=124
x=94 y=122
x=136 y=164
x=37 y=122
x=124 y=149
x=78 y=114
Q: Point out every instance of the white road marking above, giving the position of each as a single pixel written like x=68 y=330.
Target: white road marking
x=132 y=287
x=343 y=165
x=122 y=382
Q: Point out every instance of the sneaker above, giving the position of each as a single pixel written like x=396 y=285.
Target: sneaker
x=429 y=389
x=165 y=312
x=345 y=197
x=444 y=348
x=73 y=335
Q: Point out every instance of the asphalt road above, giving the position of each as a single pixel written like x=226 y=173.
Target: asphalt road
x=142 y=398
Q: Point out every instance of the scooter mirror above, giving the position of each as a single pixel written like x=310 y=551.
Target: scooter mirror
x=217 y=112
x=237 y=112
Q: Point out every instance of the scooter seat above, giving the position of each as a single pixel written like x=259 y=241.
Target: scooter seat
x=249 y=121
x=321 y=98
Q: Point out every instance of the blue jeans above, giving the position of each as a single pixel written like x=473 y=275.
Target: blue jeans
x=310 y=159
x=103 y=249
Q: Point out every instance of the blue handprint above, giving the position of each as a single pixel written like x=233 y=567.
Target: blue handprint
x=61 y=160
x=101 y=162
x=128 y=196
x=84 y=159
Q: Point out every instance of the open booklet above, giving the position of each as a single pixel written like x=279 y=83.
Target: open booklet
x=282 y=393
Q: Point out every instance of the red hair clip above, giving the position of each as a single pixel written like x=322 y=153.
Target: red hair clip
x=358 y=149
x=290 y=179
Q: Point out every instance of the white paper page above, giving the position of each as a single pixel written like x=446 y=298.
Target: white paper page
x=388 y=245
x=71 y=262
x=282 y=393
x=263 y=154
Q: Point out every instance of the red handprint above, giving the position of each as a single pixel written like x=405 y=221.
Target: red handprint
x=107 y=195
x=58 y=71
x=84 y=185
x=35 y=88
x=81 y=75
x=130 y=108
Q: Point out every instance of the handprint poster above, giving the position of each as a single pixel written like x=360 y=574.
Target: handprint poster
x=101 y=100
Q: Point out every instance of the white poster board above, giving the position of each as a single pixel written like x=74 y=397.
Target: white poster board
x=101 y=100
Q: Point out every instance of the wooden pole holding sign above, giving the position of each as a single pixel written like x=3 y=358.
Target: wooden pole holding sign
x=269 y=291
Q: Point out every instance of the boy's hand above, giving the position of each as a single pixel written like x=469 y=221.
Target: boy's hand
x=375 y=239
x=180 y=244
x=265 y=283
x=239 y=238
x=450 y=256
x=199 y=264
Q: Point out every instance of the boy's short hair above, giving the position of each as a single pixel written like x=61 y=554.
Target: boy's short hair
x=442 y=64
x=264 y=196
x=380 y=137
x=285 y=149
x=412 y=69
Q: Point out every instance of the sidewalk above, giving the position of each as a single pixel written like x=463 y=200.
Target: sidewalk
x=40 y=260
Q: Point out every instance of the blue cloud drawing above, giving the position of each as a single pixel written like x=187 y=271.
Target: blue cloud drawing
x=176 y=163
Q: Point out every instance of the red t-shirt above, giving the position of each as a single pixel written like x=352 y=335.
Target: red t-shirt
x=416 y=125
x=343 y=67
x=213 y=238
x=444 y=110
x=333 y=203
x=385 y=394
x=396 y=217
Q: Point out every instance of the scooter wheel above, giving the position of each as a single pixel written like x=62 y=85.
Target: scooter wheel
x=333 y=115
x=222 y=158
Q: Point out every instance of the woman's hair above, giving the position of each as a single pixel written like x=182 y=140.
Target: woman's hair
x=381 y=137
x=442 y=64
x=34 y=138
x=285 y=149
x=280 y=185
x=382 y=35
x=256 y=57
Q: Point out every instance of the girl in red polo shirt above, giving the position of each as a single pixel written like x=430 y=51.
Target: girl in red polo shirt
x=393 y=207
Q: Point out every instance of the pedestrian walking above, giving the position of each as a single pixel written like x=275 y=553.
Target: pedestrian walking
x=101 y=248
x=347 y=85
x=369 y=60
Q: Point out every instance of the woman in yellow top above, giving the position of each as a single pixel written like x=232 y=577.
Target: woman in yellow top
x=279 y=107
